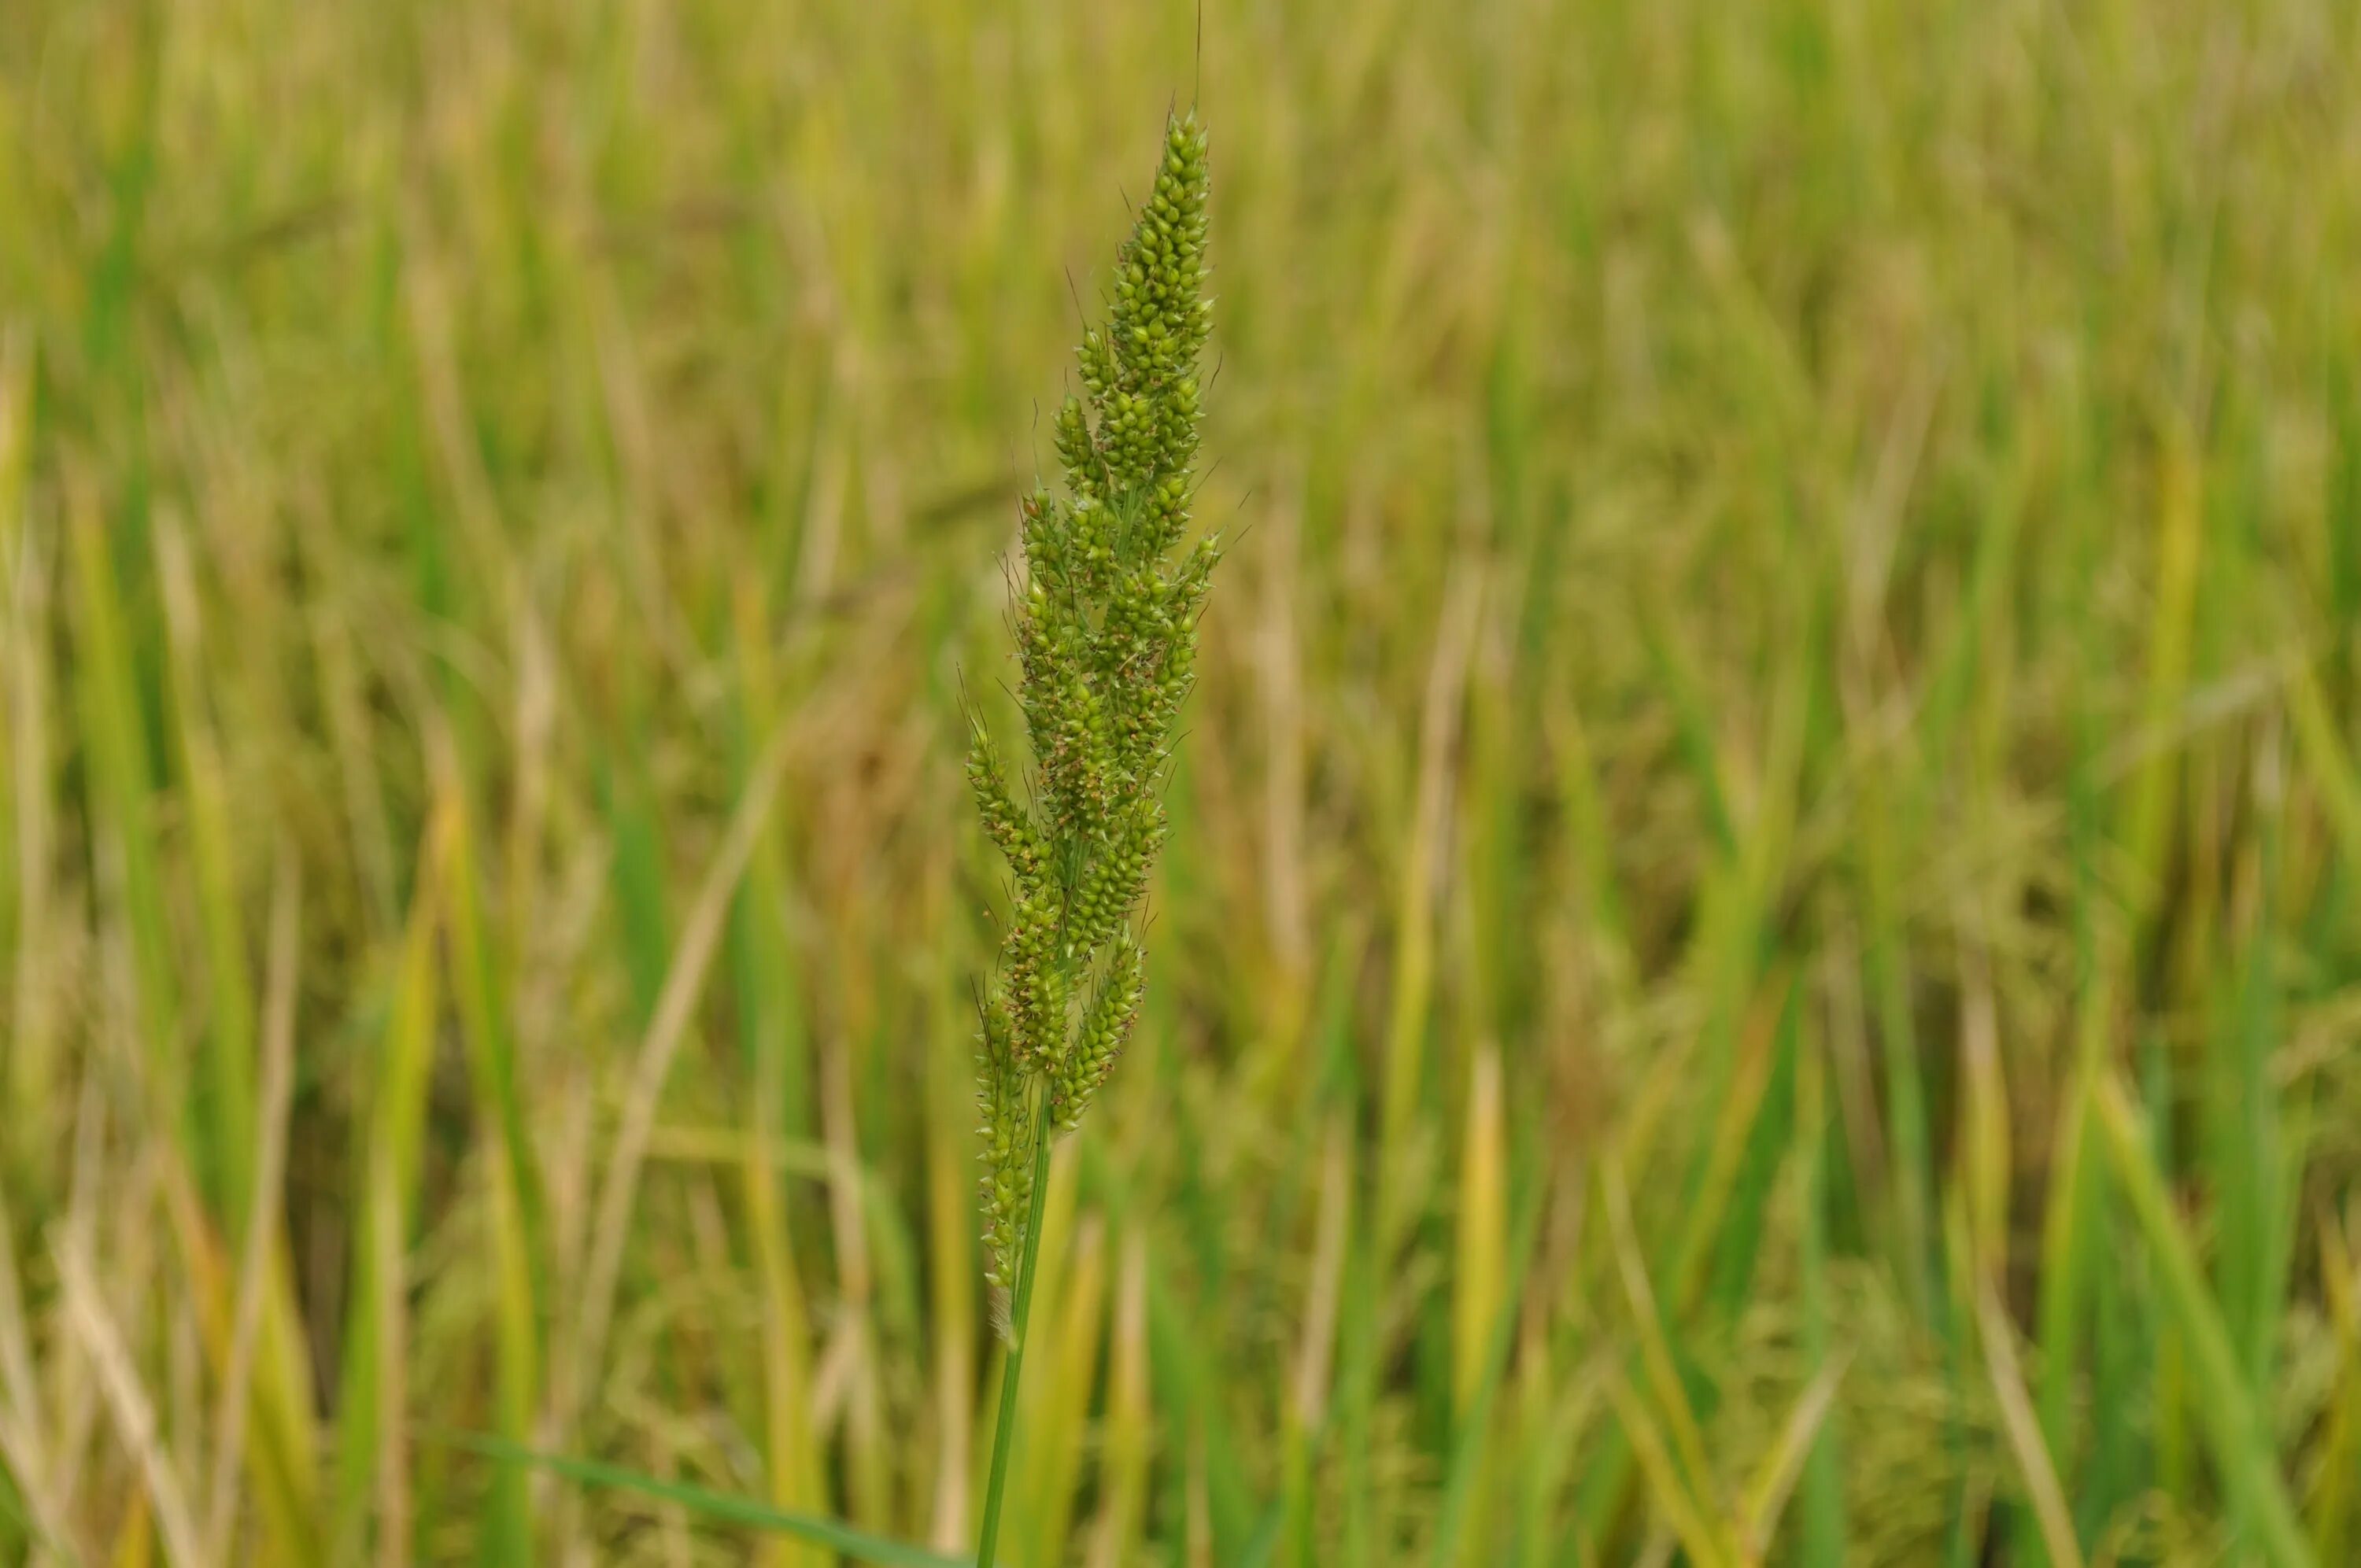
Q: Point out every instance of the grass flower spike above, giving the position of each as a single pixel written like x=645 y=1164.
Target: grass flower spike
x=1106 y=639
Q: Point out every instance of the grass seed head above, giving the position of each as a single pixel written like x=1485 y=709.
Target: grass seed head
x=1105 y=625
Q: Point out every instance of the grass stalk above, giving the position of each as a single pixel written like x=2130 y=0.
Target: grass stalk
x=1004 y=1428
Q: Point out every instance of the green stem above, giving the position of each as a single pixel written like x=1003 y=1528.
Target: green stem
x=1003 y=1431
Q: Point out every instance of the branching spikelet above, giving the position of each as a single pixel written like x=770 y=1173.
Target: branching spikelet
x=1106 y=639
x=1106 y=1024
x=1008 y=825
x=1007 y=1133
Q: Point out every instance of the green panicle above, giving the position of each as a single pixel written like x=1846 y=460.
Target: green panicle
x=1106 y=645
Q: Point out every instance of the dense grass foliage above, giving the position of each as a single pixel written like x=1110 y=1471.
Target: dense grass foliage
x=1759 y=954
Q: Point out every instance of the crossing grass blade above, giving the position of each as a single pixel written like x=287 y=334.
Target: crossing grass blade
x=2059 y=1538
x=1765 y=1496
x=1688 y=1518
x=699 y=1502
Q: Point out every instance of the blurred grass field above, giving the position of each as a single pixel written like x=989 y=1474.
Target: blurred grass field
x=1761 y=958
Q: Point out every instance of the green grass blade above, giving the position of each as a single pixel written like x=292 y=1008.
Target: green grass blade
x=1473 y=1431
x=1822 y=1538
x=121 y=784
x=509 y=1253
x=228 y=1078
x=370 y=1463
x=772 y=1036
x=2242 y=1444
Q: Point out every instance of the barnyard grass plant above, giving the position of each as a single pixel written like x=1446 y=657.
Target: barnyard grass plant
x=1104 y=612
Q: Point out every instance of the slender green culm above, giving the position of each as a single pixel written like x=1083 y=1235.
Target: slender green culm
x=1107 y=641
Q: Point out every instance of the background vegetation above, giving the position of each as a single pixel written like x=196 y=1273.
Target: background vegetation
x=1761 y=952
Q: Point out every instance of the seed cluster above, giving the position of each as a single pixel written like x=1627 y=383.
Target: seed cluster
x=1107 y=641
